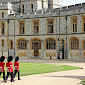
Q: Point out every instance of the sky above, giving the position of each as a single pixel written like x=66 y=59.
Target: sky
x=72 y=2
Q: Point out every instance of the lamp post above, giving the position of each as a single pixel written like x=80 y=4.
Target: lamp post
x=8 y=34
x=59 y=31
x=14 y=40
x=66 y=36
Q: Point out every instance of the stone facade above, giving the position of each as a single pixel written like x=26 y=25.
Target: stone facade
x=60 y=38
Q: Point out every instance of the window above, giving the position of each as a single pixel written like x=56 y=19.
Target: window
x=22 y=8
x=22 y=27
x=50 y=44
x=74 y=24
x=36 y=27
x=2 y=14
x=50 y=26
x=31 y=7
x=11 y=44
x=2 y=28
x=36 y=44
x=74 y=44
x=2 y=42
x=84 y=24
x=83 y=44
x=22 y=44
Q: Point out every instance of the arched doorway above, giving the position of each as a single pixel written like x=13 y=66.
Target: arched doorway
x=36 y=46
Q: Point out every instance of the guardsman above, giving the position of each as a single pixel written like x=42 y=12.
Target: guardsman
x=16 y=68
x=2 y=67
x=9 y=66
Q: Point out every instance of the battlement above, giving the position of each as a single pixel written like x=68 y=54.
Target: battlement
x=74 y=7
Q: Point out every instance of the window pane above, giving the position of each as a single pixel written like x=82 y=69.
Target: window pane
x=84 y=26
x=50 y=44
x=36 y=27
x=50 y=26
x=74 y=44
x=22 y=29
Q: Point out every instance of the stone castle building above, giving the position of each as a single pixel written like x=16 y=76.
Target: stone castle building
x=42 y=28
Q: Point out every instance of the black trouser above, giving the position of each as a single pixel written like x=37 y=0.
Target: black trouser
x=15 y=71
x=11 y=74
x=3 y=75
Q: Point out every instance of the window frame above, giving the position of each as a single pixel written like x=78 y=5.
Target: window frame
x=2 y=14
x=74 y=24
x=37 y=25
x=2 y=42
x=51 y=25
x=2 y=28
x=23 y=31
x=22 y=10
x=31 y=6
x=11 y=44
x=74 y=44
x=50 y=44
x=22 y=44
x=83 y=23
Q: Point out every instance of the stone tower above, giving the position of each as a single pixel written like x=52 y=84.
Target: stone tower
x=54 y=4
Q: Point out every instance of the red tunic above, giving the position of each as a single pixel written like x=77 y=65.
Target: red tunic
x=16 y=65
x=2 y=67
x=9 y=66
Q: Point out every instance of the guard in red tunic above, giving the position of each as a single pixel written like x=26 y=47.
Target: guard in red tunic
x=16 y=68
x=9 y=66
x=2 y=66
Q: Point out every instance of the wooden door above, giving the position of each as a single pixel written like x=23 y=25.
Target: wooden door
x=36 y=49
x=35 y=52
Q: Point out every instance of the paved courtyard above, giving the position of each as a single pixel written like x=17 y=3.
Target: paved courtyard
x=70 y=77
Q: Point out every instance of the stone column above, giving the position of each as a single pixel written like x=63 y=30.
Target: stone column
x=29 y=51
x=80 y=50
x=42 y=54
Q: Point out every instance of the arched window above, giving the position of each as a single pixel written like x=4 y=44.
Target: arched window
x=2 y=42
x=22 y=8
x=2 y=14
x=62 y=44
x=11 y=44
x=22 y=44
x=36 y=44
x=22 y=27
x=50 y=44
x=31 y=7
x=2 y=28
x=74 y=44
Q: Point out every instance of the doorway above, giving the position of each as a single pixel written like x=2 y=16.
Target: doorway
x=62 y=49
x=36 y=50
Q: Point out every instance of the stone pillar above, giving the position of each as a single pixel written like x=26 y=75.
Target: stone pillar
x=42 y=54
x=29 y=51
x=80 y=50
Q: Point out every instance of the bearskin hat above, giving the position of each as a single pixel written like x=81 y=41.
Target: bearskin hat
x=16 y=59
x=10 y=58
x=2 y=58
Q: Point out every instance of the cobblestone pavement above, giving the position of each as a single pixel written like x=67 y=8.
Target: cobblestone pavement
x=70 y=77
